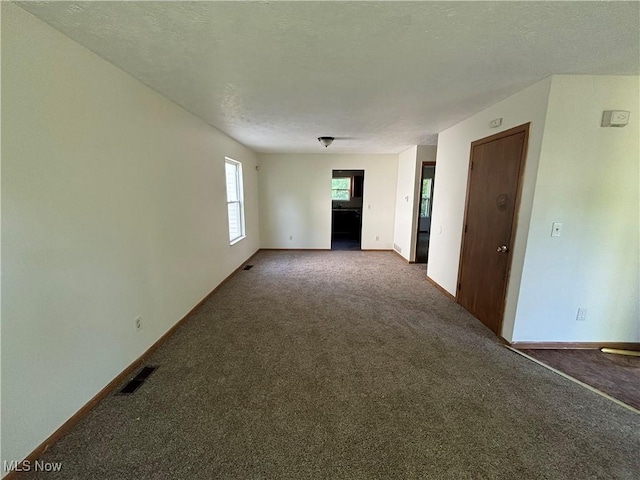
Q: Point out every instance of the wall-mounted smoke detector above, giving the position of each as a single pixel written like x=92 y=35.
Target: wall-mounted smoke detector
x=615 y=118
x=326 y=141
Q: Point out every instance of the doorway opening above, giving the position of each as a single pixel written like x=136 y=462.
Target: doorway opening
x=493 y=197
x=347 y=189
x=425 y=207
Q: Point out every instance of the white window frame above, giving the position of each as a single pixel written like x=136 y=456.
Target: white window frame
x=349 y=190
x=239 y=201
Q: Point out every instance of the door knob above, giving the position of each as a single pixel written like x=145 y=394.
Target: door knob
x=503 y=249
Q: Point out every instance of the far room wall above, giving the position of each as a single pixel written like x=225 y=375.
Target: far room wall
x=295 y=199
x=405 y=200
x=408 y=197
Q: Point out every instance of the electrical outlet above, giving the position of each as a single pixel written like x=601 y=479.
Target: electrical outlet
x=377 y=237
x=138 y=322
x=290 y=237
x=582 y=315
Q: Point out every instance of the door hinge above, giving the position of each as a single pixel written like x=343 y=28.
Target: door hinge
x=471 y=165
x=459 y=286
x=465 y=229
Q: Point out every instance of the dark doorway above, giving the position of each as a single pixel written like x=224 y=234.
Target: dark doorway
x=493 y=194
x=424 y=211
x=347 y=188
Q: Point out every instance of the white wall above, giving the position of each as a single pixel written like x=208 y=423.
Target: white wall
x=295 y=199
x=528 y=105
x=404 y=238
x=408 y=197
x=113 y=206
x=583 y=175
x=588 y=179
x=426 y=153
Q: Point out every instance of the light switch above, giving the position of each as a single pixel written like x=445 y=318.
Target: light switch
x=556 y=229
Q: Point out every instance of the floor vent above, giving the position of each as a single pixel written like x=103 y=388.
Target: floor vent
x=145 y=373
x=137 y=381
x=248 y=267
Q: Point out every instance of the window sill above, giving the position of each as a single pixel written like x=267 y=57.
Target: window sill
x=237 y=240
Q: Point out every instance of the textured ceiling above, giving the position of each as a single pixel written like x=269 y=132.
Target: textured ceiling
x=380 y=76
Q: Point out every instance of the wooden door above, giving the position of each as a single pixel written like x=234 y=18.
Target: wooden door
x=493 y=192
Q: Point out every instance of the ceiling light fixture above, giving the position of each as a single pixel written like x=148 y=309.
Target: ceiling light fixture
x=326 y=141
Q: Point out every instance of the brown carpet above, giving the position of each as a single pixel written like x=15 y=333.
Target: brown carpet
x=615 y=375
x=346 y=365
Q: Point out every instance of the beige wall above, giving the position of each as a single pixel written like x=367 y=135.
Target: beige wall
x=113 y=206
x=588 y=180
x=528 y=105
x=404 y=233
x=295 y=199
x=577 y=173
x=408 y=197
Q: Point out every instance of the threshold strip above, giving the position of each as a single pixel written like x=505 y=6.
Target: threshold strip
x=575 y=380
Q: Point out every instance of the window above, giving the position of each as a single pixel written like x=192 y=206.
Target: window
x=425 y=201
x=235 y=201
x=341 y=188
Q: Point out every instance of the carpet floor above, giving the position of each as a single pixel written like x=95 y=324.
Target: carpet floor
x=615 y=375
x=345 y=365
